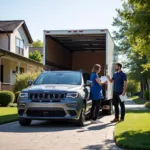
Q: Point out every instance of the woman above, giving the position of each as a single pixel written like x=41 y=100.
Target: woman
x=96 y=94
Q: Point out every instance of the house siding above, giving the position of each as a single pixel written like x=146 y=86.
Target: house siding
x=20 y=34
x=4 y=41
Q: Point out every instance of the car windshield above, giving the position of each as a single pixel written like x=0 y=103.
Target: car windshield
x=72 y=78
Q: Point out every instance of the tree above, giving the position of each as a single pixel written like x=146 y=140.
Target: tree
x=136 y=13
x=37 y=43
x=136 y=62
x=35 y=56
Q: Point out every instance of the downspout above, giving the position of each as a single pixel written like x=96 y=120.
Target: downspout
x=8 y=41
x=0 y=71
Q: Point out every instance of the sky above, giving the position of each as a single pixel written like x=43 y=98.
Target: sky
x=42 y=15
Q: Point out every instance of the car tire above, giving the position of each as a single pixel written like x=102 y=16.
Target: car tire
x=24 y=122
x=82 y=119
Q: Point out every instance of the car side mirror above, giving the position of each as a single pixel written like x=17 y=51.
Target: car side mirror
x=30 y=82
x=88 y=83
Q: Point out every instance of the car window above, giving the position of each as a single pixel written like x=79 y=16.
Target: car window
x=72 y=78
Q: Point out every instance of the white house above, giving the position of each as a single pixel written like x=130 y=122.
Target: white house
x=14 y=52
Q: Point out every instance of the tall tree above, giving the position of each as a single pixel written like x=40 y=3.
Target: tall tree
x=136 y=13
x=136 y=62
x=37 y=43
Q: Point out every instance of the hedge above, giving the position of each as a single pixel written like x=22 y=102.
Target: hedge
x=6 y=97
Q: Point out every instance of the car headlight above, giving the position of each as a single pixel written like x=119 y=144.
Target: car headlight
x=25 y=95
x=72 y=95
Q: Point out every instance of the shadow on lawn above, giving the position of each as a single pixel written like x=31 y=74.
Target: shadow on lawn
x=8 y=118
x=137 y=140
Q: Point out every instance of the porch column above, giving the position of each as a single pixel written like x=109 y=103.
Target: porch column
x=0 y=73
x=18 y=71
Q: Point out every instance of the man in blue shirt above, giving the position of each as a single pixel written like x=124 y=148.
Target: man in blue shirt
x=119 y=88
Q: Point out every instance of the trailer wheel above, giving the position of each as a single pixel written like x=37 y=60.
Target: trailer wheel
x=110 y=111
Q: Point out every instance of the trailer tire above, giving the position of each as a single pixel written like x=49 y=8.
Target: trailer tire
x=110 y=111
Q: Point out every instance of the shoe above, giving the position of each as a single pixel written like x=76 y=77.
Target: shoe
x=114 y=120
x=121 y=120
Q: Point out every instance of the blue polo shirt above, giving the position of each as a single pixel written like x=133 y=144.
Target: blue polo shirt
x=95 y=91
x=119 y=78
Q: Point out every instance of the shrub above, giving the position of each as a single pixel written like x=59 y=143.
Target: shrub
x=147 y=105
x=16 y=96
x=22 y=80
x=6 y=97
x=132 y=87
x=147 y=95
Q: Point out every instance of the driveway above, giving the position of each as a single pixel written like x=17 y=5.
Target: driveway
x=42 y=135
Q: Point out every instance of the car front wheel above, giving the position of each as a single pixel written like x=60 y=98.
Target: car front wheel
x=82 y=119
x=24 y=122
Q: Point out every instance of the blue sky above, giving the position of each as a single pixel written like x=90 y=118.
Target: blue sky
x=60 y=14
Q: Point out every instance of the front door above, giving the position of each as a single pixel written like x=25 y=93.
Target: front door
x=2 y=73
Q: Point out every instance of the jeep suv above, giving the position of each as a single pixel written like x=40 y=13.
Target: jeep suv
x=56 y=95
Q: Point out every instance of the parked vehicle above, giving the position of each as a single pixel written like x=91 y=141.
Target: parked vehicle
x=56 y=95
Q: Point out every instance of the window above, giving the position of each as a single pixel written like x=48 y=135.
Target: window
x=21 y=70
x=71 y=78
x=19 y=47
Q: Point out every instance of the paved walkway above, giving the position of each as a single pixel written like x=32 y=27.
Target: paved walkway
x=43 y=135
x=131 y=105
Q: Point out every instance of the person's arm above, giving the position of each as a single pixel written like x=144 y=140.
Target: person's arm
x=125 y=84
x=99 y=82
x=110 y=80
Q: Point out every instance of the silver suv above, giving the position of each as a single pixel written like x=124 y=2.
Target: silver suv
x=56 y=95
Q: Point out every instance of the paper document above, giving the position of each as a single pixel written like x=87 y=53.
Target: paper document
x=103 y=79
x=123 y=98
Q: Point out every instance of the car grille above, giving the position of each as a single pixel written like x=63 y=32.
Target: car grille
x=46 y=112
x=46 y=97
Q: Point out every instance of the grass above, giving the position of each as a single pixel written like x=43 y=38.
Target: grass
x=134 y=132
x=8 y=114
x=138 y=100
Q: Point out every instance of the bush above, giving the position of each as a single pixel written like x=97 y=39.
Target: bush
x=147 y=105
x=132 y=87
x=147 y=95
x=6 y=97
x=22 y=80
x=16 y=96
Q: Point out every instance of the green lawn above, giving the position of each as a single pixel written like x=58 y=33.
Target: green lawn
x=8 y=114
x=134 y=132
x=138 y=100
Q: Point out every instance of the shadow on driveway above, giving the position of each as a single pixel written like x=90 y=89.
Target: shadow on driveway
x=51 y=126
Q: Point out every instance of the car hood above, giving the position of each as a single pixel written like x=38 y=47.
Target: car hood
x=53 y=87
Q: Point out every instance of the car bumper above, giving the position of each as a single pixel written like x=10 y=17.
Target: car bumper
x=49 y=111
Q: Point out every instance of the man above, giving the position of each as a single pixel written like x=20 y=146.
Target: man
x=119 y=88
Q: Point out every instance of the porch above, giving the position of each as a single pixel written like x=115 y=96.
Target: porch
x=11 y=64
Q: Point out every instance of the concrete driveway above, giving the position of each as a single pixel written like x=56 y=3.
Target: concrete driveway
x=43 y=135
